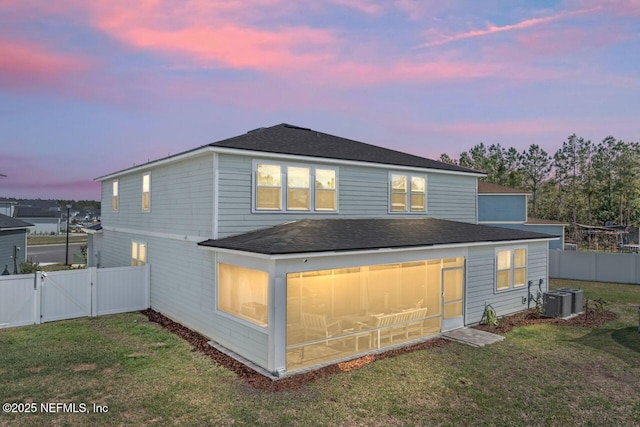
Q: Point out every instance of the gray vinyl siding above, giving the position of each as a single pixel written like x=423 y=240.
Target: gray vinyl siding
x=183 y=286
x=8 y=239
x=181 y=199
x=481 y=279
x=503 y=208
x=362 y=193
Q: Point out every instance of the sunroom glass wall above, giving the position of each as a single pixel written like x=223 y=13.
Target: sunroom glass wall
x=332 y=314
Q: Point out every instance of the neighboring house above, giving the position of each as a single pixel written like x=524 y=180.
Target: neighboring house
x=94 y=244
x=46 y=215
x=6 y=207
x=290 y=248
x=501 y=206
x=13 y=243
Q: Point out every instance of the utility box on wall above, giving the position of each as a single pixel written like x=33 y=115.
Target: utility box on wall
x=557 y=303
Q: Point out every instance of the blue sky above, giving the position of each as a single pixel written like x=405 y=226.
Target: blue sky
x=87 y=88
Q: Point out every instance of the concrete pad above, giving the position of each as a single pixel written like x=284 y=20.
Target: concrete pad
x=472 y=337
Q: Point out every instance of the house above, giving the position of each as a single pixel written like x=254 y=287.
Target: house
x=94 y=244
x=13 y=243
x=501 y=206
x=290 y=248
x=45 y=215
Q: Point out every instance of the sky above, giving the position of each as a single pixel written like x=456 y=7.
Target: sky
x=91 y=87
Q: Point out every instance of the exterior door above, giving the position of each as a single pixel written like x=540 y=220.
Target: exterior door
x=452 y=298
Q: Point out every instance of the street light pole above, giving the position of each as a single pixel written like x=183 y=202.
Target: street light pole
x=66 y=258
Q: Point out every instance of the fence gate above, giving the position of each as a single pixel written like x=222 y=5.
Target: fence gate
x=29 y=299
x=65 y=295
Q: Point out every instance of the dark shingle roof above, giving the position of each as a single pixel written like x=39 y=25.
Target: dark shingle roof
x=8 y=222
x=328 y=235
x=289 y=139
x=31 y=212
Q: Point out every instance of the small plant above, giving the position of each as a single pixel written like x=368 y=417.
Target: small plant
x=489 y=316
x=600 y=305
x=29 y=267
x=539 y=308
x=83 y=253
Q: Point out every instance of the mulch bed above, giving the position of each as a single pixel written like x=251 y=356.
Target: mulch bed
x=589 y=319
x=260 y=382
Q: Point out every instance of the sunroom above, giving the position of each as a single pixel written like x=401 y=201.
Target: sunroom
x=319 y=291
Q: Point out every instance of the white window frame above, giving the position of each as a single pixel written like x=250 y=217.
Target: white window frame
x=284 y=187
x=135 y=261
x=247 y=321
x=115 y=195
x=148 y=192
x=408 y=176
x=512 y=268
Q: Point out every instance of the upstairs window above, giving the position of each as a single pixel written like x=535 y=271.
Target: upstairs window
x=268 y=188
x=298 y=193
x=114 y=198
x=146 y=192
x=325 y=190
x=138 y=253
x=398 y=193
x=295 y=188
x=408 y=193
x=511 y=268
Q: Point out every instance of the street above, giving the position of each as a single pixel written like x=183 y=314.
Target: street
x=52 y=253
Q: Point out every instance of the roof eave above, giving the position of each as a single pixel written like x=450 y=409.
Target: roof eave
x=255 y=153
x=277 y=256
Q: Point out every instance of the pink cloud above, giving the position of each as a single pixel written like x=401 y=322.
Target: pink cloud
x=238 y=47
x=297 y=52
x=24 y=64
x=493 y=29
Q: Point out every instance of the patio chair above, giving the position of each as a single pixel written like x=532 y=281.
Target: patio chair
x=416 y=321
x=318 y=325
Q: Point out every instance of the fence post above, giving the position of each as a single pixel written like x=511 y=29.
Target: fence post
x=147 y=289
x=93 y=282
x=37 y=300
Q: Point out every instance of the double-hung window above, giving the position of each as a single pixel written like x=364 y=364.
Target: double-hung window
x=511 y=268
x=298 y=192
x=408 y=193
x=325 y=189
x=268 y=187
x=146 y=192
x=295 y=188
x=114 y=199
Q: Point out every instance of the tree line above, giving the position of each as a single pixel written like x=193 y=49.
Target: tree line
x=582 y=182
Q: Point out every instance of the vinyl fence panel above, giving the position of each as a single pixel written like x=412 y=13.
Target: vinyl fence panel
x=48 y=296
x=595 y=266
x=121 y=289
x=18 y=300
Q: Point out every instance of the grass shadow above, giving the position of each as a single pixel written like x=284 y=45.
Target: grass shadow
x=622 y=343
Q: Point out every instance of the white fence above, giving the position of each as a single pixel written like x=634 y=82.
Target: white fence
x=29 y=299
x=595 y=266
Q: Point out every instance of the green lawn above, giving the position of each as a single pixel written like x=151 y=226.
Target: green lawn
x=539 y=375
x=55 y=240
